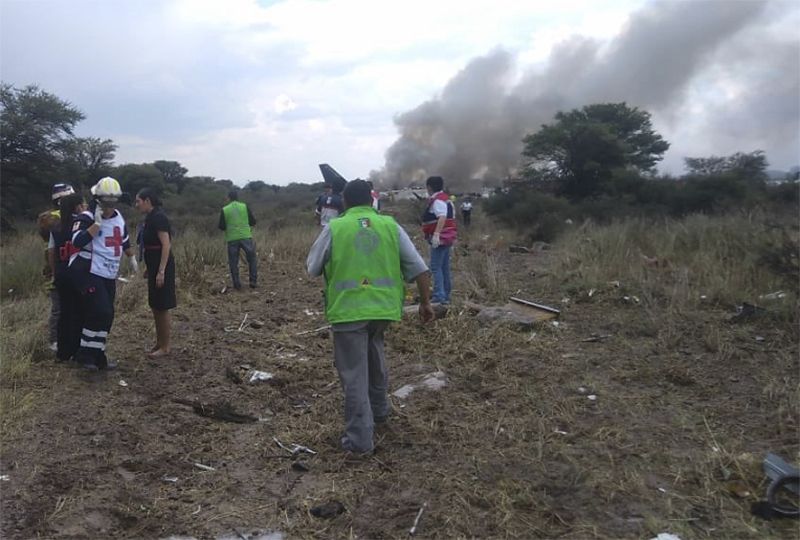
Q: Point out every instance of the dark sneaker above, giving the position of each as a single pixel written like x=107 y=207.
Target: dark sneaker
x=254 y=286
x=90 y=367
x=111 y=365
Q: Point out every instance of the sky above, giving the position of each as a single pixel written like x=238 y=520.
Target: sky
x=256 y=90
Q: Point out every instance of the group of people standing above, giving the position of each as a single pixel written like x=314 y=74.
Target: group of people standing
x=364 y=256
x=84 y=251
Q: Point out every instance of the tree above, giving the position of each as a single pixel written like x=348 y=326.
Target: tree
x=34 y=126
x=173 y=173
x=87 y=160
x=750 y=167
x=133 y=177
x=583 y=148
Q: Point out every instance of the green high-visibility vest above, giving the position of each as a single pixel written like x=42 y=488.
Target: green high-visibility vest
x=237 y=226
x=364 y=281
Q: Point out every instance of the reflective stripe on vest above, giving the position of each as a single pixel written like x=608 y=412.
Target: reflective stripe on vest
x=364 y=280
x=237 y=224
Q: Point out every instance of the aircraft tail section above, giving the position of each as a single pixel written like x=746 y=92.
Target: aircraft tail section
x=332 y=177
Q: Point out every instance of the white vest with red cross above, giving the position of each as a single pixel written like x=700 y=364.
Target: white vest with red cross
x=105 y=249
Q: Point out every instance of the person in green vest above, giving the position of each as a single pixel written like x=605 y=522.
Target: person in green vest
x=366 y=259
x=236 y=219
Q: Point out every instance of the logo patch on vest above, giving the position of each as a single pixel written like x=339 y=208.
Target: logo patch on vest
x=364 y=222
x=366 y=241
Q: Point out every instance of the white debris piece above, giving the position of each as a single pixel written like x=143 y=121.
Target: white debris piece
x=666 y=536
x=591 y=397
x=122 y=383
x=257 y=376
x=4 y=477
x=432 y=381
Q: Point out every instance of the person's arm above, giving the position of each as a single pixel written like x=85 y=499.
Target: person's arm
x=251 y=220
x=51 y=254
x=166 y=245
x=221 y=220
x=319 y=254
x=83 y=231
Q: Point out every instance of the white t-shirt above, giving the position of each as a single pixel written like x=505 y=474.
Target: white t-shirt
x=438 y=208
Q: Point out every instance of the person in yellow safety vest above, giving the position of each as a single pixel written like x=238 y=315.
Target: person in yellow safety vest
x=48 y=222
x=236 y=219
x=365 y=257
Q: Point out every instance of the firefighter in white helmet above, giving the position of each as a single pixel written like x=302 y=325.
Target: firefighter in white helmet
x=101 y=237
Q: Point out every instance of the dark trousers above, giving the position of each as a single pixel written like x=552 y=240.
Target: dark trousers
x=97 y=307
x=70 y=319
x=467 y=215
x=233 y=261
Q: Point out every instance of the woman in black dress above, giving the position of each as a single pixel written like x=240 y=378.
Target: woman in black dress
x=160 y=272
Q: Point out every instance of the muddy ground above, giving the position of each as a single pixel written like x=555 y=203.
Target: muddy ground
x=684 y=410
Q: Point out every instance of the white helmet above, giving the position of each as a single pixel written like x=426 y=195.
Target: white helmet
x=107 y=189
x=60 y=190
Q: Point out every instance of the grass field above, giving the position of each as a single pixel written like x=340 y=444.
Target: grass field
x=685 y=402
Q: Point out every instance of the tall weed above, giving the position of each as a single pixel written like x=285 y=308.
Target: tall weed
x=714 y=258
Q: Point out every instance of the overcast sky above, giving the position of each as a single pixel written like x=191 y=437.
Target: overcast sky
x=248 y=90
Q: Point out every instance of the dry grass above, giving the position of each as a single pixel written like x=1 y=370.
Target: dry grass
x=686 y=403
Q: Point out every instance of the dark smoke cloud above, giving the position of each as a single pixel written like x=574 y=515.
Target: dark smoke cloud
x=474 y=129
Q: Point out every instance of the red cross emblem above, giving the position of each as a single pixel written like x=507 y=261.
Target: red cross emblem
x=116 y=241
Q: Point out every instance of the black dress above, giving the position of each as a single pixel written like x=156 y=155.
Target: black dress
x=160 y=299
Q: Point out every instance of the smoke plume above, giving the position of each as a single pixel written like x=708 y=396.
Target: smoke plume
x=473 y=130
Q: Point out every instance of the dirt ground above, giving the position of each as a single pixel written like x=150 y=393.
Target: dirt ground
x=614 y=423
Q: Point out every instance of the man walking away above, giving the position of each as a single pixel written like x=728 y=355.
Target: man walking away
x=365 y=258
x=236 y=219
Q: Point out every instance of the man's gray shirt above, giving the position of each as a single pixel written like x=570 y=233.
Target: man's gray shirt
x=411 y=262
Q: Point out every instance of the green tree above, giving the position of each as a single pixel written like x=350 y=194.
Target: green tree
x=583 y=148
x=750 y=166
x=133 y=177
x=87 y=160
x=34 y=127
x=173 y=172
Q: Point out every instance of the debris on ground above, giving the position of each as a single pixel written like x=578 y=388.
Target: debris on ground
x=518 y=249
x=252 y=535
x=518 y=312
x=596 y=337
x=746 y=312
x=666 y=536
x=218 y=411
x=432 y=381
x=255 y=323
x=777 y=295
x=257 y=376
x=294 y=449
x=300 y=466
x=328 y=510
x=204 y=467
x=413 y=528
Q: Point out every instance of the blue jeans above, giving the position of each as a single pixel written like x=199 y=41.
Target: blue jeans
x=440 y=268
x=233 y=261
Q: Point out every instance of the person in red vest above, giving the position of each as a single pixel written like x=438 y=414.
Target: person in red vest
x=439 y=227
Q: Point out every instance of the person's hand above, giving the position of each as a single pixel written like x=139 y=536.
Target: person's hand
x=426 y=314
x=92 y=206
x=134 y=266
x=160 y=279
x=436 y=241
x=98 y=215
